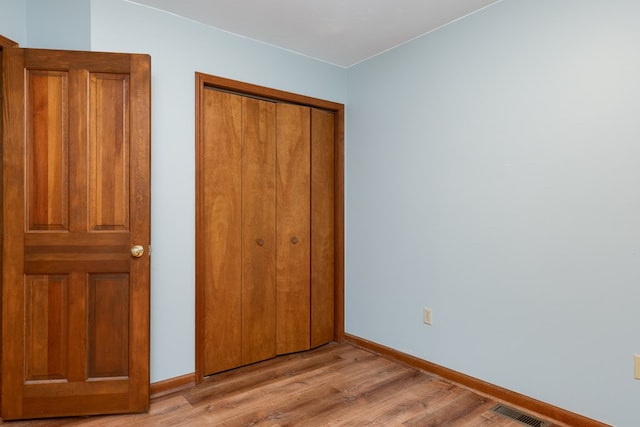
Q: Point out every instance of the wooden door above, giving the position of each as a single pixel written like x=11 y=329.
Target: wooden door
x=220 y=177
x=244 y=167
x=306 y=227
x=237 y=176
x=323 y=228
x=293 y=228
x=259 y=238
x=75 y=302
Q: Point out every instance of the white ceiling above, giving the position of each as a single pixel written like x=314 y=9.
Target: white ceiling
x=341 y=32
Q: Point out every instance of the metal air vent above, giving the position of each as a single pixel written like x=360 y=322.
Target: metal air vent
x=520 y=417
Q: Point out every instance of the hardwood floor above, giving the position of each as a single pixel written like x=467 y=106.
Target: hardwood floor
x=334 y=385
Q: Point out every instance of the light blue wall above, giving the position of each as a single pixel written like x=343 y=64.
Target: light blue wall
x=493 y=174
x=13 y=20
x=179 y=47
x=59 y=24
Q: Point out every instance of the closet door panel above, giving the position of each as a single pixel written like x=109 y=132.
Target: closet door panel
x=222 y=227
x=293 y=228
x=322 y=226
x=258 y=230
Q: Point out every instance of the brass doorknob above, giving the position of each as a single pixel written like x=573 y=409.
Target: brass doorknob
x=137 y=251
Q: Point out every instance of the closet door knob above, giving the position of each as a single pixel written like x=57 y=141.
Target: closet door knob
x=294 y=240
x=260 y=242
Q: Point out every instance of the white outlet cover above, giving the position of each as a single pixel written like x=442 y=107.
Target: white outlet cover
x=427 y=316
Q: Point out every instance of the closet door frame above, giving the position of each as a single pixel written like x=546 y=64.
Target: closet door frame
x=206 y=81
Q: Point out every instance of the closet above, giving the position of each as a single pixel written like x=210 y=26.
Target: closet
x=266 y=237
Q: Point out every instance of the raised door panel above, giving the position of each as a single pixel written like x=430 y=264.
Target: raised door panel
x=258 y=230
x=293 y=228
x=75 y=303
x=109 y=152
x=221 y=225
x=47 y=109
x=108 y=326
x=322 y=226
x=46 y=332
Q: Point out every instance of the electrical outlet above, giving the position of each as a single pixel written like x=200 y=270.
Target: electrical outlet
x=427 y=316
x=636 y=366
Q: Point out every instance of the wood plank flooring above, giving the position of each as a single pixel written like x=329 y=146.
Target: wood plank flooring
x=334 y=385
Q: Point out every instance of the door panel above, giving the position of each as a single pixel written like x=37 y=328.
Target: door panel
x=46 y=301
x=108 y=308
x=322 y=226
x=258 y=230
x=76 y=183
x=238 y=179
x=293 y=225
x=108 y=152
x=47 y=110
x=221 y=222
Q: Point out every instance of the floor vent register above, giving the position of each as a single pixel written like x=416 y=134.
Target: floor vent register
x=520 y=417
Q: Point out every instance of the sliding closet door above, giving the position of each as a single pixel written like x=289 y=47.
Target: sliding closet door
x=294 y=236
